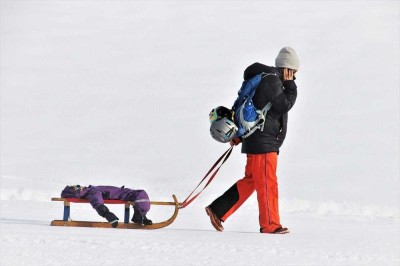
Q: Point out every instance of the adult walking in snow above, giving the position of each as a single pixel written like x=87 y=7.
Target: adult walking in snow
x=97 y=194
x=262 y=147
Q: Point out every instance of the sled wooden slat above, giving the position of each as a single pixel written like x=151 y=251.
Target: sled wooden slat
x=108 y=201
x=125 y=225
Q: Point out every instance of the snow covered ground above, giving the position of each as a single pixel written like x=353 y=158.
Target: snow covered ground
x=315 y=239
x=118 y=93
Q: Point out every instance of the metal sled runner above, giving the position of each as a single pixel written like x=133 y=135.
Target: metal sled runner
x=125 y=225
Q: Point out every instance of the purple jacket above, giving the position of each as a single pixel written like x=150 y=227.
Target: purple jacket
x=97 y=194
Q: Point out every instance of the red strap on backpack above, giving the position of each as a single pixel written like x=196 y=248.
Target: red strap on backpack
x=221 y=160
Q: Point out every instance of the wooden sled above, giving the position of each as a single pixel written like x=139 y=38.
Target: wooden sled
x=66 y=221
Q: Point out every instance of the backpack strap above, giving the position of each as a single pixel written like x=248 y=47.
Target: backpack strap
x=263 y=75
x=251 y=131
x=264 y=112
x=260 y=125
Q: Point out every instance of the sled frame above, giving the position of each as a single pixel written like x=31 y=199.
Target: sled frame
x=66 y=221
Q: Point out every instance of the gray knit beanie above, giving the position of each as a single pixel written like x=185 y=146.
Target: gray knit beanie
x=287 y=58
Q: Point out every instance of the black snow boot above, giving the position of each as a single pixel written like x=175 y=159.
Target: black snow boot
x=103 y=211
x=138 y=218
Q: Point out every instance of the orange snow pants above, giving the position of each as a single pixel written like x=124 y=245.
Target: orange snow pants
x=260 y=175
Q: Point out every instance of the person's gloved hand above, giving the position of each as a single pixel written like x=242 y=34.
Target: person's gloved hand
x=235 y=141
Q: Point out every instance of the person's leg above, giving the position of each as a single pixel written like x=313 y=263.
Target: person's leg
x=103 y=211
x=141 y=206
x=233 y=198
x=142 y=201
x=266 y=185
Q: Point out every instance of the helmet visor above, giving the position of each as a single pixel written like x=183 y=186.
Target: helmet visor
x=213 y=115
x=219 y=112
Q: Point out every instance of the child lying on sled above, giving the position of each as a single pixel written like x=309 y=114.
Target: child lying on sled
x=97 y=194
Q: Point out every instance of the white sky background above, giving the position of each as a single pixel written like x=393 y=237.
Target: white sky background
x=118 y=92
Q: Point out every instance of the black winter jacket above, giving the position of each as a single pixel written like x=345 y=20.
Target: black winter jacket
x=282 y=95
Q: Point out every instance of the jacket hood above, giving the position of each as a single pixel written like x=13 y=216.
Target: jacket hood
x=73 y=192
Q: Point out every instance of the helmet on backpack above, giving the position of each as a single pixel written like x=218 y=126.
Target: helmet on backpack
x=222 y=128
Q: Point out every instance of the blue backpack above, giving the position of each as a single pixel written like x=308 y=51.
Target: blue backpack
x=246 y=116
